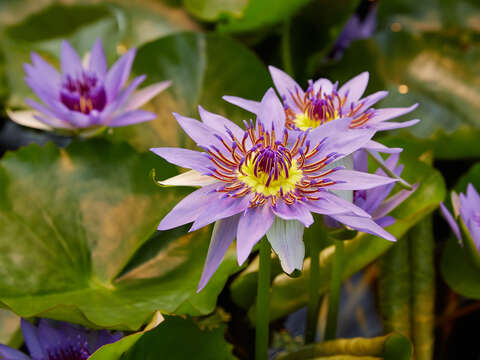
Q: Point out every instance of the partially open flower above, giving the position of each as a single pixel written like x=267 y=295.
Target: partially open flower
x=324 y=102
x=466 y=212
x=55 y=340
x=265 y=179
x=85 y=96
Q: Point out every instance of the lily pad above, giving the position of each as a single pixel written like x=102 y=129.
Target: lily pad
x=202 y=69
x=71 y=222
x=181 y=339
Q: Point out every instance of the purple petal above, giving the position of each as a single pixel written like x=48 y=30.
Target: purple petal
x=323 y=84
x=372 y=99
x=364 y=224
x=360 y=161
x=271 y=114
x=221 y=208
x=355 y=87
x=220 y=123
x=39 y=80
x=333 y=204
x=296 y=211
x=344 y=145
x=202 y=134
x=393 y=202
x=97 y=62
x=49 y=337
x=190 y=207
x=223 y=234
x=70 y=62
x=118 y=74
x=286 y=238
x=30 y=336
x=249 y=105
x=286 y=86
x=122 y=97
x=185 y=158
x=51 y=118
x=131 y=117
x=394 y=125
x=385 y=221
x=356 y=180
x=48 y=72
x=375 y=146
x=451 y=221
x=7 y=353
x=253 y=225
x=141 y=97
x=390 y=113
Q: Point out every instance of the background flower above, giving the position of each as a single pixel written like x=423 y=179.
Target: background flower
x=86 y=95
x=55 y=340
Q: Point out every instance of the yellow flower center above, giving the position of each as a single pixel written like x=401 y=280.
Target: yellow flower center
x=304 y=121
x=260 y=183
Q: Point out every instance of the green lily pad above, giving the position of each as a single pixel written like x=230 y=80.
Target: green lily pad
x=360 y=251
x=426 y=54
x=202 y=69
x=72 y=224
x=181 y=339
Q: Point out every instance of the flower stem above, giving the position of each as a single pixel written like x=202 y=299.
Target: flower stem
x=402 y=183
x=335 y=286
x=286 y=48
x=314 y=287
x=263 y=302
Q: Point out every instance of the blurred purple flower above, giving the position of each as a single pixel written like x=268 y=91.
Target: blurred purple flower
x=466 y=209
x=55 y=340
x=86 y=96
x=356 y=28
x=266 y=180
x=323 y=102
x=374 y=201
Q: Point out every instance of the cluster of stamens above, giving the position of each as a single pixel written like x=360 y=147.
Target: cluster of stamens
x=317 y=108
x=268 y=169
x=77 y=351
x=84 y=93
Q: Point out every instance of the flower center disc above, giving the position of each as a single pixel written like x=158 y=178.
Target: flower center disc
x=270 y=171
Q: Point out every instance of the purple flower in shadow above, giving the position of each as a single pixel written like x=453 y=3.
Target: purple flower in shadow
x=466 y=211
x=265 y=180
x=55 y=340
x=376 y=201
x=86 y=95
x=324 y=101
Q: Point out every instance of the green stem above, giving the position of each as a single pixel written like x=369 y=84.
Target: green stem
x=286 y=48
x=402 y=183
x=335 y=286
x=314 y=287
x=263 y=302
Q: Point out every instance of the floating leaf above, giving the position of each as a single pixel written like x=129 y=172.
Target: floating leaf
x=71 y=221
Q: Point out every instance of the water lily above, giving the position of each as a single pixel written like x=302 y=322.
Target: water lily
x=265 y=179
x=466 y=212
x=55 y=340
x=85 y=96
x=324 y=102
x=376 y=201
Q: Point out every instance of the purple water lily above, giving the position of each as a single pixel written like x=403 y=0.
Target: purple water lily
x=324 y=102
x=90 y=95
x=265 y=179
x=376 y=201
x=466 y=210
x=55 y=340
